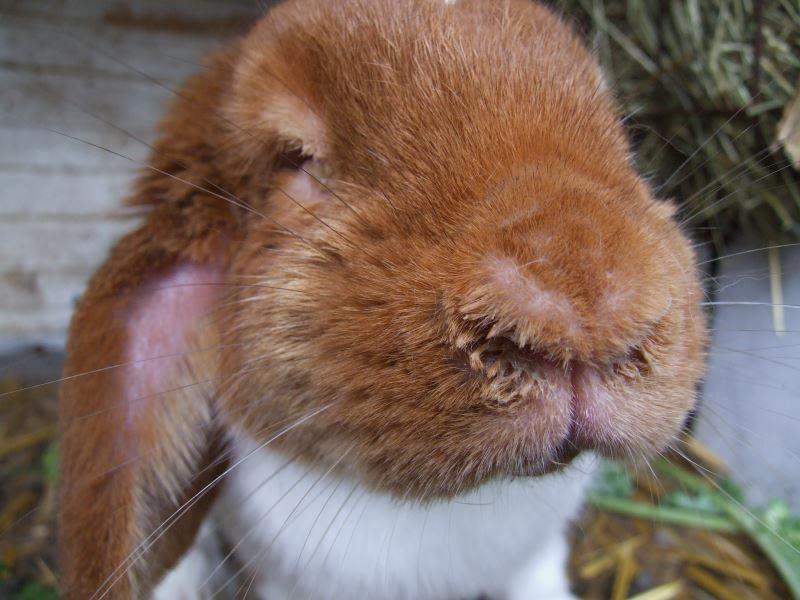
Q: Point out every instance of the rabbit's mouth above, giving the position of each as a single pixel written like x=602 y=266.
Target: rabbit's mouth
x=548 y=411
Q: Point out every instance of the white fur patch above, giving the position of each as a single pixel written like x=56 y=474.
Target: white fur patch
x=303 y=533
x=184 y=581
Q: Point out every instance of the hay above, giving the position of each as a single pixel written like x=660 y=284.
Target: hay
x=705 y=84
x=673 y=530
x=28 y=466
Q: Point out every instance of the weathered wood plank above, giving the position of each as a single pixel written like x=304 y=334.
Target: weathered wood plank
x=30 y=148
x=57 y=244
x=176 y=15
x=78 y=193
x=71 y=104
x=60 y=199
x=86 y=51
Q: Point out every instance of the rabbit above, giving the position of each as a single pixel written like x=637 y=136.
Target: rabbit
x=398 y=283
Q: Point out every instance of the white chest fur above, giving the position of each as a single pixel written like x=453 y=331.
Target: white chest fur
x=306 y=533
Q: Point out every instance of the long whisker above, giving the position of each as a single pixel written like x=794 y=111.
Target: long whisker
x=235 y=202
x=707 y=475
x=117 y=366
x=711 y=156
x=725 y=178
x=324 y=533
x=106 y=586
x=229 y=194
x=703 y=145
x=713 y=406
x=746 y=303
x=751 y=251
x=220 y=459
x=761 y=357
x=361 y=496
x=732 y=193
x=326 y=224
x=287 y=521
x=296 y=164
x=266 y=513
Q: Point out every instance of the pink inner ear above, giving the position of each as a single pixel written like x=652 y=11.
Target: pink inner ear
x=160 y=323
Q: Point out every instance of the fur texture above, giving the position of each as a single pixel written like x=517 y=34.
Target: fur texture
x=432 y=254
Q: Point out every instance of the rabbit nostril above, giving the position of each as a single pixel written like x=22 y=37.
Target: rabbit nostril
x=501 y=358
x=637 y=362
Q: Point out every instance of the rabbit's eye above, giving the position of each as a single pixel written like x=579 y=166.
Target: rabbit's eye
x=292 y=159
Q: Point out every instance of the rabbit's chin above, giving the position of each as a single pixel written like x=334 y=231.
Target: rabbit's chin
x=361 y=543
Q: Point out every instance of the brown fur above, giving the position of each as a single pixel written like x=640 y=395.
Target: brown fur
x=473 y=248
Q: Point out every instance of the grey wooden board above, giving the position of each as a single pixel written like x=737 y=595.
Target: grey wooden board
x=76 y=66
x=750 y=411
x=100 y=12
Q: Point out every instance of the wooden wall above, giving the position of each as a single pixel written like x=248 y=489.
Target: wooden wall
x=82 y=67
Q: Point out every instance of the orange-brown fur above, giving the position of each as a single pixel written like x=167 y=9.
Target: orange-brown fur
x=465 y=155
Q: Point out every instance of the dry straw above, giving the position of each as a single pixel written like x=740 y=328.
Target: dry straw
x=705 y=83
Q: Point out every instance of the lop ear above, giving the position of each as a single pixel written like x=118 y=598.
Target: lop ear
x=140 y=446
